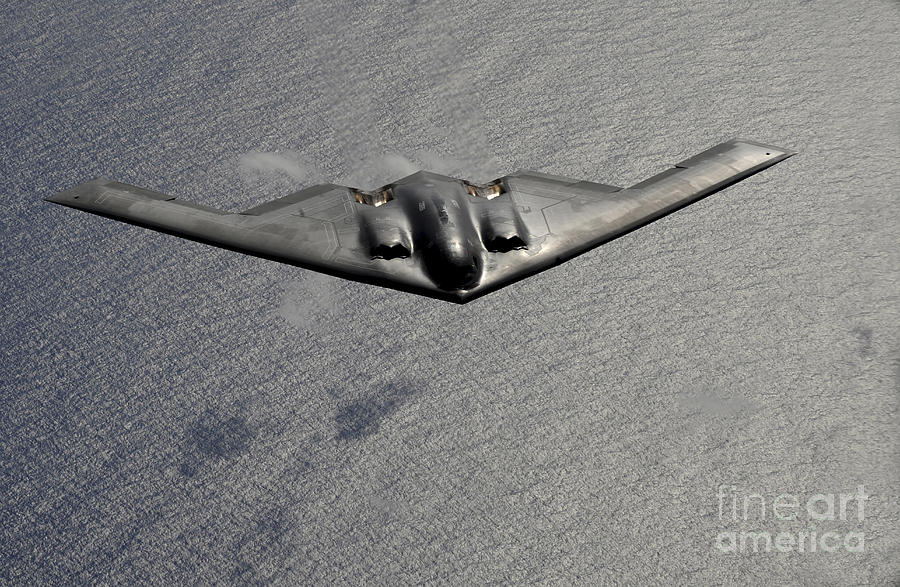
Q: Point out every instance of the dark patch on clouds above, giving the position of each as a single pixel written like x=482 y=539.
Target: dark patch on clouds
x=224 y=439
x=864 y=337
x=214 y=437
x=363 y=417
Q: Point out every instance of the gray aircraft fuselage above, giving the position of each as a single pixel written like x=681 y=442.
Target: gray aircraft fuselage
x=444 y=234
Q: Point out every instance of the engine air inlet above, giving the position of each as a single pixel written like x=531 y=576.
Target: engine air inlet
x=376 y=198
x=488 y=192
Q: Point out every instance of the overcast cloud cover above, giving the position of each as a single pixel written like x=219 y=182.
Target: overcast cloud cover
x=177 y=413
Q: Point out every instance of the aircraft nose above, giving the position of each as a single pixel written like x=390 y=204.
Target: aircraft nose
x=460 y=273
x=468 y=273
x=453 y=269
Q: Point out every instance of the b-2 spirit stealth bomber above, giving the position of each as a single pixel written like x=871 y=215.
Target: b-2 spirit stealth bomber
x=431 y=234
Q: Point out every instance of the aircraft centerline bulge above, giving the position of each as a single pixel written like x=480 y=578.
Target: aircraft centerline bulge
x=431 y=234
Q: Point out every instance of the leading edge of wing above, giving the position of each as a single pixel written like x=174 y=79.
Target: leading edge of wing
x=302 y=241
x=720 y=166
x=734 y=160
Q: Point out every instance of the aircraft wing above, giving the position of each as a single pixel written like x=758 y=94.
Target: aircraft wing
x=566 y=217
x=324 y=227
x=317 y=228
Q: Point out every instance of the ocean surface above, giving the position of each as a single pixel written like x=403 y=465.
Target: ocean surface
x=172 y=413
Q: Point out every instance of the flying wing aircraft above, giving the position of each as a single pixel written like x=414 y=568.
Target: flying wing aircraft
x=431 y=234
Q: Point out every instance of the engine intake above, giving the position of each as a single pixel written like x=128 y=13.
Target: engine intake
x=376 y=198
x=488 y=192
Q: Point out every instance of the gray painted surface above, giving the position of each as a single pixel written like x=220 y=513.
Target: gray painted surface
x=429 y=233
x=172 y=412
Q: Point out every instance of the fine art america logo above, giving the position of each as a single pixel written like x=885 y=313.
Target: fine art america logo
x=739 y=510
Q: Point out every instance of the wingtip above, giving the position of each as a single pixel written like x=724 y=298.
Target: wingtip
x=65 y=197
x=58 y=198
x=785 y=152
